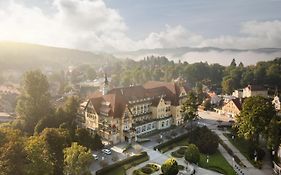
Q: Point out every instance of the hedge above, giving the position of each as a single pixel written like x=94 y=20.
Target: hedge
x=134 y=160
x=170 y=142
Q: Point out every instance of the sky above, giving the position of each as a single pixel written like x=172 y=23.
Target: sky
x=127 y=25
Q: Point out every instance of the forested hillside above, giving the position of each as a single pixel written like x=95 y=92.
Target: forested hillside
x=25 y=56
x=231 y=77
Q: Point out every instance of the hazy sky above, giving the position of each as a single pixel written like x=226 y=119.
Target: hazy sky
x=109 y=25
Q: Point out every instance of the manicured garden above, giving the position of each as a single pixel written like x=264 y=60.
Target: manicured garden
x=200 y=137
x=147 y=169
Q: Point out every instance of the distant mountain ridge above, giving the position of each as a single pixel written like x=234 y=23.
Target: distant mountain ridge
x=209 y=54
x=25 y=56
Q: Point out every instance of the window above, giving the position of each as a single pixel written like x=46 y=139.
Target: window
x=144 y=128
x=149 y=126
x=138 y=130
x=167 y=122
x=163 y=124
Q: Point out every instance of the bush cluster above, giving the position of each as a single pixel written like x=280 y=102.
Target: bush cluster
x=192 y=154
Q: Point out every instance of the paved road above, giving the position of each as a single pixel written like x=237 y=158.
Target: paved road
x=95 y=165
x=210 y=120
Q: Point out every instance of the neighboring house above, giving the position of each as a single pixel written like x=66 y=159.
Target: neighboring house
x=276 y=165
x=227 y=98
x=5 y=117
x=238 y=93
x=122 y=114
x=254 y=90
x=233 y=107
x=214 y=98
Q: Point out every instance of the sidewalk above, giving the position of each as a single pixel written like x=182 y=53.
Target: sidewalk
x=249 y=169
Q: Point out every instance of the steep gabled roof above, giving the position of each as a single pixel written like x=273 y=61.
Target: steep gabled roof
x=115 y=101
x=238 y=102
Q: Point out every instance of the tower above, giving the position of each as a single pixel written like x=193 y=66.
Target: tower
x=105 y=87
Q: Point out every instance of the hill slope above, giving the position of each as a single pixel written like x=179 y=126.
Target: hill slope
x=25 y=56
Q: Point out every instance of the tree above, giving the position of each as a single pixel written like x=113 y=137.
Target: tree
x=38 y=157
x=12 y=154
x=207 y=104
x=83 y=137
x=255 y=118
x=56 y=140
x=192 y=154
x=205 y=140
x=227 y=85
x=233 y=63
x=34 y=101
x=77 y=160
x=170 y=167
x=190 y=108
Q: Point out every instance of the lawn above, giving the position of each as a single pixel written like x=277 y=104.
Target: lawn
x=183 y=142
x=117 y=171
x=216 y=163
x=242 y=145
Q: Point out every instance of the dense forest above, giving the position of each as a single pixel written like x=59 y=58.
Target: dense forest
x=228 y=78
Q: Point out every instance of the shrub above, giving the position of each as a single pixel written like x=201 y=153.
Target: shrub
x=180 y=167
x=176 y=154
x=170 y=167
x=192 y=154
x=138 y=172
x=153 y=166
x=163 y=147
x=182 y=150
x=147 y=170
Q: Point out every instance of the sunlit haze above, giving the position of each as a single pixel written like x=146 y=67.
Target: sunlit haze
x=126 y=25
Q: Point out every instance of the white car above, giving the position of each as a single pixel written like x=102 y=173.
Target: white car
x=95 y=156
x=106 y=151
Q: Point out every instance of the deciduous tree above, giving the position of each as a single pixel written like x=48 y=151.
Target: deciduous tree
x=77 y=160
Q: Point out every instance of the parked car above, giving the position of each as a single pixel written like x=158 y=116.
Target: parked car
x=106 y=151
x=95 y=156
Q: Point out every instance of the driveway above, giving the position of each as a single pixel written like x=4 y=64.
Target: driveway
x=95 y=165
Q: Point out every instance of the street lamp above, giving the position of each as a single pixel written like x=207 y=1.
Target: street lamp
x=255 y=154
x=232 y=161
x=273 y=151
x=207 y=159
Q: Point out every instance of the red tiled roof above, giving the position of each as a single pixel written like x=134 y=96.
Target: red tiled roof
x=118 y=98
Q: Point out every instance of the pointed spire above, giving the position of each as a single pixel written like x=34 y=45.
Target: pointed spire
x=105 y=79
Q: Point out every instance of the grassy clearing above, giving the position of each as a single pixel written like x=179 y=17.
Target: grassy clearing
x=216 y=163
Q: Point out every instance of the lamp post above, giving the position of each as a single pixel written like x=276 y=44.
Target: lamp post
x=273 y=151
x=255 y=154
x=232 y=161
x=207 y=159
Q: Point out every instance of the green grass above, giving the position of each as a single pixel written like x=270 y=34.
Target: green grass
x=117 y=171
x=242 y=145
x=182 y=142
x=216 y=163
